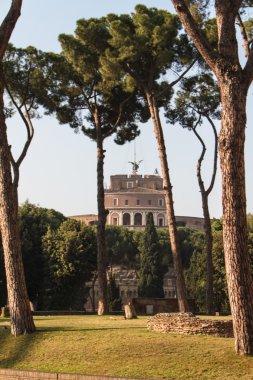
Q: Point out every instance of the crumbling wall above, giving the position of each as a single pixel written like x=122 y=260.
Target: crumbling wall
x=187 y=323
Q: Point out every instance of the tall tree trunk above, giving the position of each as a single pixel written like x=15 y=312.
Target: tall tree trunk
x=21 y=317
x=174 y=242
x=207 y=222
x=101 y=245
x=234 y=82
x=237 y=261
x=208 y=252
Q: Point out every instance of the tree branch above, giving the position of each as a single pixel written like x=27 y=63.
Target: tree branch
x=27 y=86
x=203 y=152
x=115 y=126
x=208 y=191
x=170 y=85
x=226 y=13
x=30 y=132
x=245 y=41
x=195 y=33
x=215 y=158
x=132 y=73
x=30 y=135
x=248 y=69
x=8 y=25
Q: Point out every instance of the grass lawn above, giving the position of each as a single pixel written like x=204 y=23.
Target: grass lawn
x=112 y=346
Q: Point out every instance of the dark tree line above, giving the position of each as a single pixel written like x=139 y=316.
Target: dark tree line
x=59 y=256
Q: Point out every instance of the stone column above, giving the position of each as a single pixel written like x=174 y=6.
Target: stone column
x=110 y=218
x=144 y=218
x=131 y=218
x=155 y=218
x=120 y=220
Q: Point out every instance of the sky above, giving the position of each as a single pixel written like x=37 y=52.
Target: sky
x=59 y=171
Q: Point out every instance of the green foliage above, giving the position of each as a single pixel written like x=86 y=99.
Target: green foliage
x=164 y=241
x=143 y=47
x=191 y=241
x=195 y=275
x=114 y=300
x=195 y=279
x=221 y=302
x=122 y=248
x=60 y=255
x=22 y=81
x=216 y=224
x=77 y=94
x=150 y=274
x=34 y=222
x=71 y=255
x=197 y=98
x=211 y=32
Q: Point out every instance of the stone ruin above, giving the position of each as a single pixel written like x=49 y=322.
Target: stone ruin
x=187 y=323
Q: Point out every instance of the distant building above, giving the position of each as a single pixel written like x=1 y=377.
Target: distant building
x=131 y=197
x=126 y=279
x=128 y=200
x=88 y=219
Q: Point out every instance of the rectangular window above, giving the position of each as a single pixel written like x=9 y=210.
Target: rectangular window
x=137 y=202
x=130 y=185
x=160 y=222
x=149 y=202
x=115 y=221
x=160 y=202
x=126 y=202
x=115 y=201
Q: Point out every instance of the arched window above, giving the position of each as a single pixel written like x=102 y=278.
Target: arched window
x=126 y=219
x=138 y=219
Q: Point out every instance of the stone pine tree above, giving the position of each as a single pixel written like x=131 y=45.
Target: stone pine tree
x=74 y=89
x=198 y=100
x=150 y=274
x=21 y=317
x=21 y=86
x=234 y=80
x=143 y=48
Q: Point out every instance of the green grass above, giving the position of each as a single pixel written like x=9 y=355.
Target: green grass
x=113 y=346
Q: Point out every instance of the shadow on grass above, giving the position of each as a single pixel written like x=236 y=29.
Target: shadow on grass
x=14 y=349
x=63 y=329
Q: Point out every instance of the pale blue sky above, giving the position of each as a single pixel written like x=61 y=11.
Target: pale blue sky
x=60 y=169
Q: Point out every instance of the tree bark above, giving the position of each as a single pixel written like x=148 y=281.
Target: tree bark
x=174 y=242
x=237 y=261
x=208 y=251
x=21 y=317
x=234 y=82
x=207 y=222
x=8 y=24
x=101 y=245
